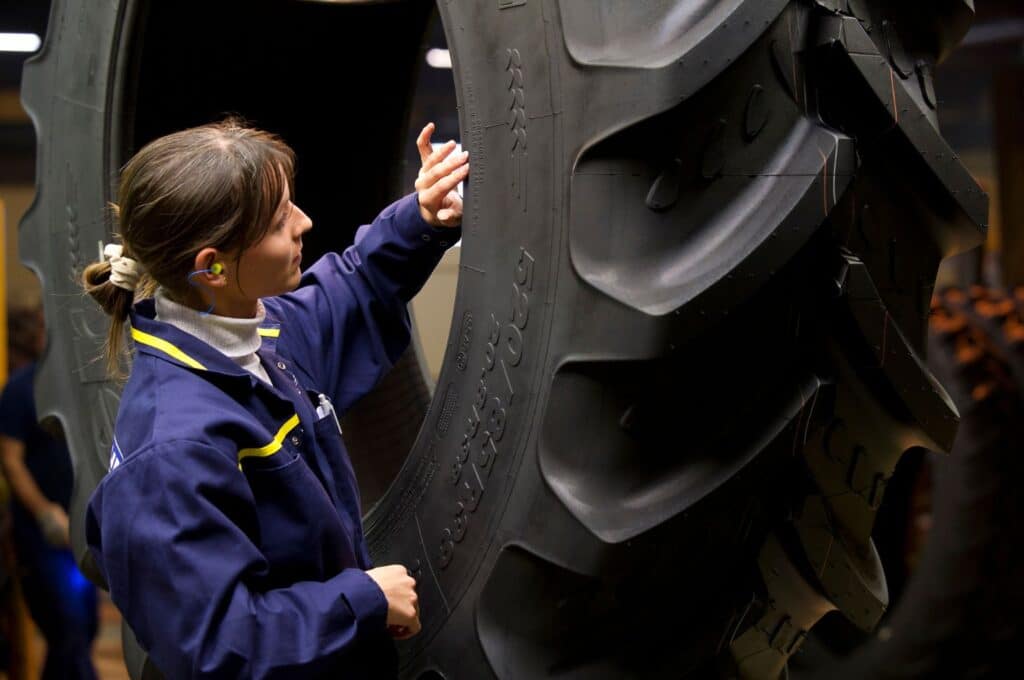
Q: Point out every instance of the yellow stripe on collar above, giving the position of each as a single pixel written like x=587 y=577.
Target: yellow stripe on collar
x=270 y=332
x=165 y=347
x=274 y=446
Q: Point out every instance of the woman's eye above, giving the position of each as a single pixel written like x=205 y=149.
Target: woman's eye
x=284 y=220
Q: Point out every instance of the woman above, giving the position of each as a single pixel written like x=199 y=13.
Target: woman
x=229 y=527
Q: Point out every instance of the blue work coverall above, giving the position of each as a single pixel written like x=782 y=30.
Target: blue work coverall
x=229 y=527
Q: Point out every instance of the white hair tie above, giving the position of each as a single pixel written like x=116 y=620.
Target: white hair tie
x=124 y=271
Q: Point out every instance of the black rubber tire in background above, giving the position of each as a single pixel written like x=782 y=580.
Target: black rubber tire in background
x=968 y=575
x=687 y=350
x=962 y=591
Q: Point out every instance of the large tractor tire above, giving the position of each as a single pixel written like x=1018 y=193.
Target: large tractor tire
x=688 y=344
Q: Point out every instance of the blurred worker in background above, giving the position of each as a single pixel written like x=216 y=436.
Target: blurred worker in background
x=38 y=470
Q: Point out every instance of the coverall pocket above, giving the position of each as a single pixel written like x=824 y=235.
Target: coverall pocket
x=278 y=462
x=300 y=532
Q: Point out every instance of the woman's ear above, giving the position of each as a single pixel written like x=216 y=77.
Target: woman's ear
x=209 y=261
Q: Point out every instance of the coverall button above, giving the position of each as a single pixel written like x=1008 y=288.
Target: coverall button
x=295 y=440
x=444 y=244
x=280 y=364
x=425 y=237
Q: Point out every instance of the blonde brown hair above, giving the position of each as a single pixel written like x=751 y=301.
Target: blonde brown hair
x=216 y=185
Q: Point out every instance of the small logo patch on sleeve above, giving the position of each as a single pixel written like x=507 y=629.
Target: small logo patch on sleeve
x=116 y=457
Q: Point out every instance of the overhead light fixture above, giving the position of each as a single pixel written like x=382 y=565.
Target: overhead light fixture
x=19 y=42
x=439 y=58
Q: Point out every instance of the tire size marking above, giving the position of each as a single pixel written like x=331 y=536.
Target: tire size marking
x=475 y=457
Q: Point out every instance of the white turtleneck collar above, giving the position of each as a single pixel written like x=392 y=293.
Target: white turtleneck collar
x=237 y=339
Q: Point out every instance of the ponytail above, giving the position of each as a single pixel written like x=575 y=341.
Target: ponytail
x=116 y=301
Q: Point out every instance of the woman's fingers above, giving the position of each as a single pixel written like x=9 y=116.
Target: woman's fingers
x=400 y=592
x=423 y=142
x=451 y=214
x=452 y=166
x=435 y=156
x=440 y=172
x=431 y=196
x=408 y=631
x=439 y=164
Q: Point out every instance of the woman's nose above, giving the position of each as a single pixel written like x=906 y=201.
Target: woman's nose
x=304 y=222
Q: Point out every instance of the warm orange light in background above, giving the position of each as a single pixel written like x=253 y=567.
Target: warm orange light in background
x=11 y=110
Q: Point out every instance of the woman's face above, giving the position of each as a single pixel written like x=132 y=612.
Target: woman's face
x=271 y=266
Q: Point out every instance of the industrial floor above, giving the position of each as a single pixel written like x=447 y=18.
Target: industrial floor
x=106 y=650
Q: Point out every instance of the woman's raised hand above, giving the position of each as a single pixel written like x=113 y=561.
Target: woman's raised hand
x=440 y=172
